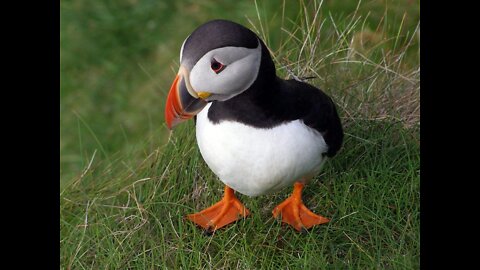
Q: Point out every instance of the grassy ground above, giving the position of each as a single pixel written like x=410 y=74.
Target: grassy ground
x=126 y=182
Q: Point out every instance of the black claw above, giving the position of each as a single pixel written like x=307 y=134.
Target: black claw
x=209 y=231
x=303 y=231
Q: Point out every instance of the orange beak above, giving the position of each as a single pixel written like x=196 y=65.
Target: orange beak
x=181 y=105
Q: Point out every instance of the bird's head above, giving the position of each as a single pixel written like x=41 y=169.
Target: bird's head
x=218 y=61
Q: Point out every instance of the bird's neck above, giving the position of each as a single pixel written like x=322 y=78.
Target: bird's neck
x=255 y=106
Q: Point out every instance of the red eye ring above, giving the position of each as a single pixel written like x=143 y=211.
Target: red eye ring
x=216 y=66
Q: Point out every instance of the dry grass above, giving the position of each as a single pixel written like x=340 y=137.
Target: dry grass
x=370 y=74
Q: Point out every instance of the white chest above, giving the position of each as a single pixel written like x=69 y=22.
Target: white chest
x=256 y=161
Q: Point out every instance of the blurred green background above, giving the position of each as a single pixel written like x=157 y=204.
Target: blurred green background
x=118 y=59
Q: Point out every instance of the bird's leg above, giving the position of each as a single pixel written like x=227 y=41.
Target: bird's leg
x=229 y=209
x=295 y=213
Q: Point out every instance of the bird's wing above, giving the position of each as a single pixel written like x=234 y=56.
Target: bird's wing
x=318 y=112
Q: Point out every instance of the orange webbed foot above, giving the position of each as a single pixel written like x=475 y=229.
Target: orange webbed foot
x=224 y=212
x=295 y=213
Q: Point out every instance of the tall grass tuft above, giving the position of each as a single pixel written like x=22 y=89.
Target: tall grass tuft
x=371 y=73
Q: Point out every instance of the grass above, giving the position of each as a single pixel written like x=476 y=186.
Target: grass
x=136 y=220
x=127 y=183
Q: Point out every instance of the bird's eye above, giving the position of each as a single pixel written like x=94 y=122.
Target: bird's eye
x=216 y=66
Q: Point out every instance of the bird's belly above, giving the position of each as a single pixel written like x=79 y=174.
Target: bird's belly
x=255 y=161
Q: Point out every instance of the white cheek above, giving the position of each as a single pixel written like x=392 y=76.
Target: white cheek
x=241 y=75
x=241 y=71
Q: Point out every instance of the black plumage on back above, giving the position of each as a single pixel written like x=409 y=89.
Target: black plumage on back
x=266 y=105
x=322 y=116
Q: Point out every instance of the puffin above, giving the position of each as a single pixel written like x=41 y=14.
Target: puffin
x=257 y=132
